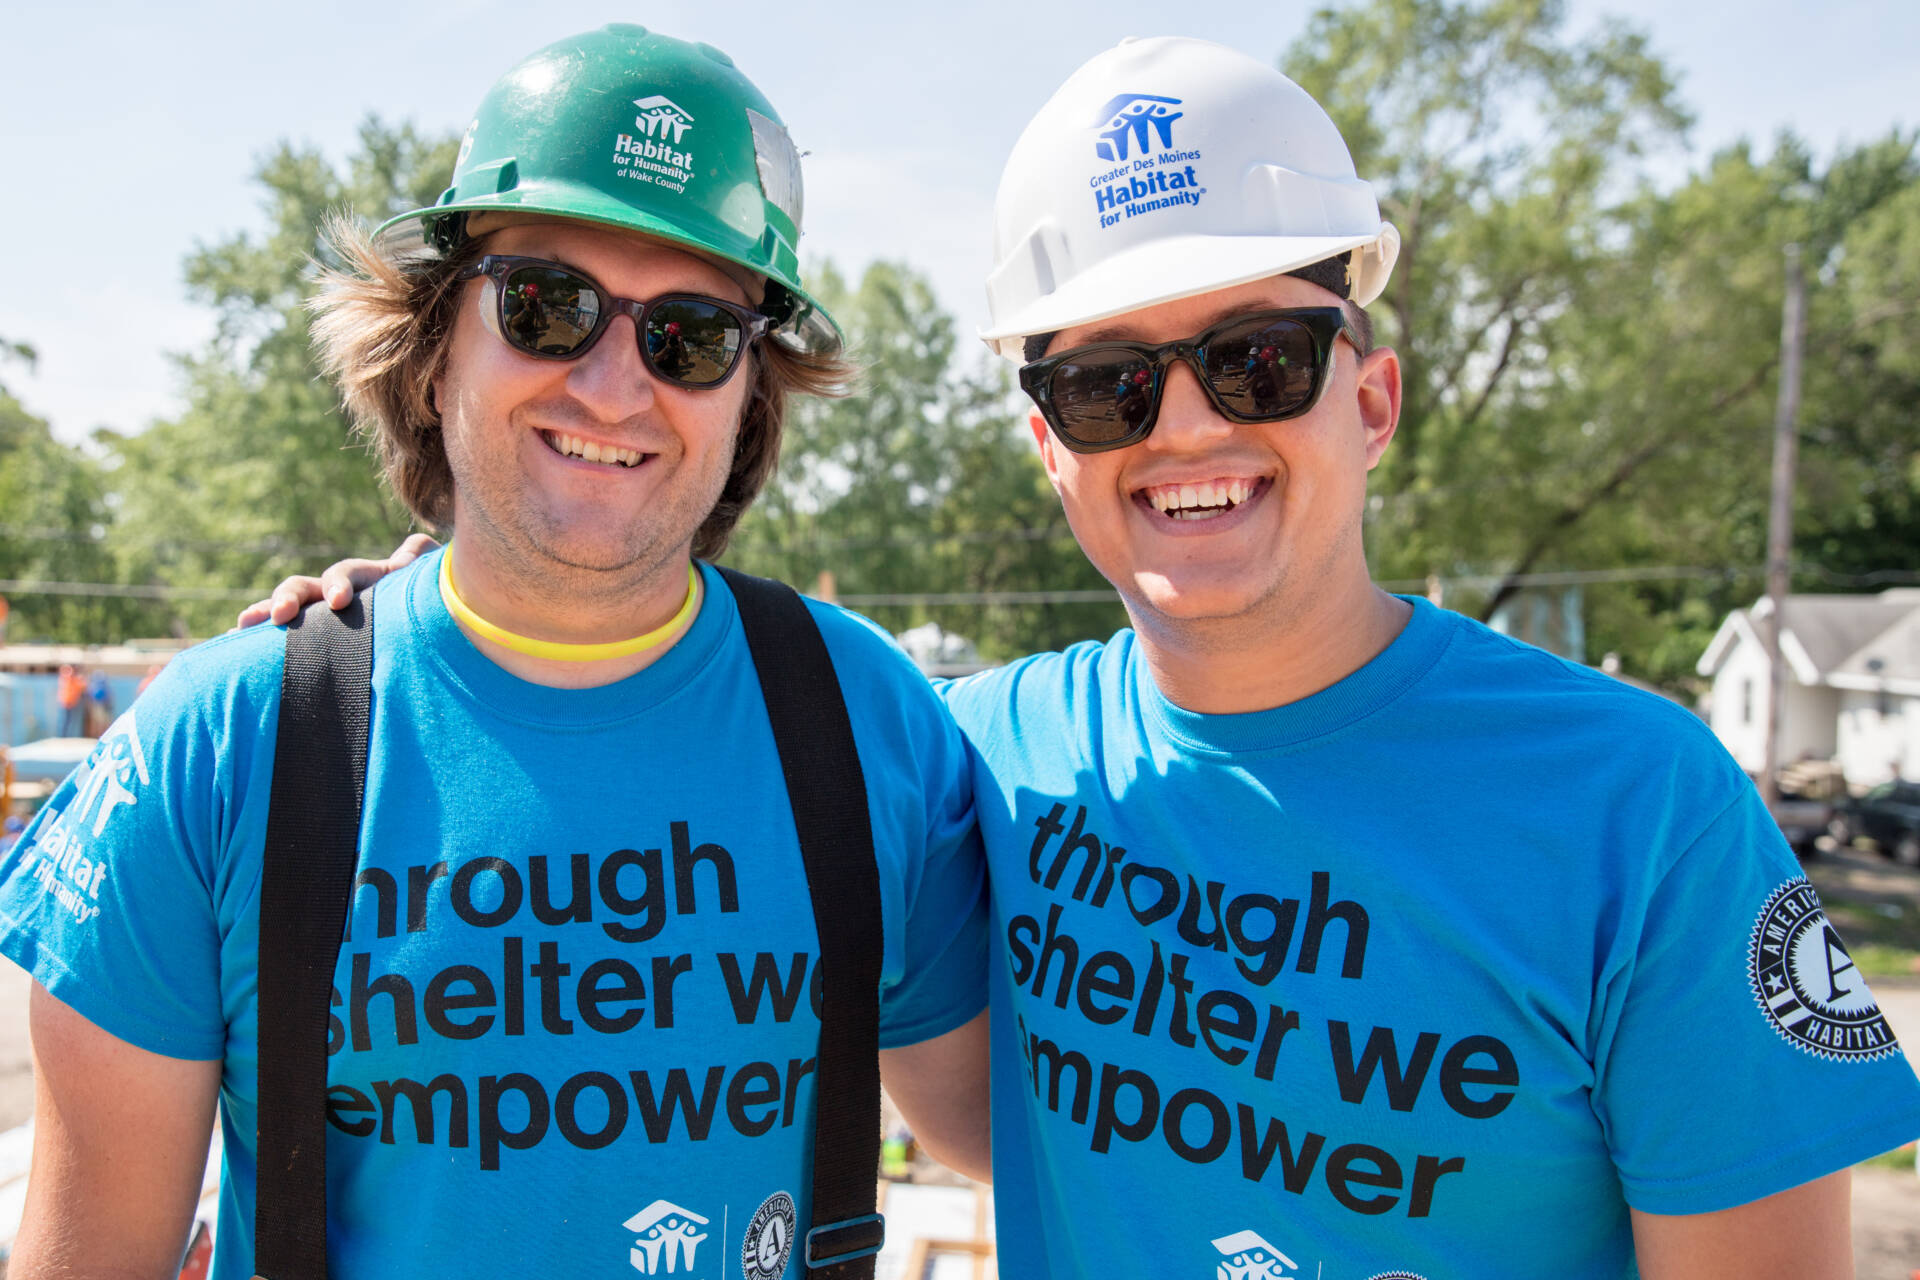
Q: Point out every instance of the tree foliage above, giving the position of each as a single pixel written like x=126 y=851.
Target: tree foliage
x=53 y=507
x=259 y=477
x=1591 y=362
x=925 y=480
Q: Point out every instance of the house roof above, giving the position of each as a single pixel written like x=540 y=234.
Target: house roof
x=1890 y=660
x=1821 y=632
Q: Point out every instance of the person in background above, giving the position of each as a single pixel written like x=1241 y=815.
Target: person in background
x=70 y=690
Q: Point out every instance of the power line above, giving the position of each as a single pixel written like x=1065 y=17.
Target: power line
x=25 y=587
x=1108 y=596
x=868 y=600
x=98 y=537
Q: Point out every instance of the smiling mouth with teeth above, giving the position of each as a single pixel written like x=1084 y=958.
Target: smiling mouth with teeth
x=1202 y=501
x=574 y=447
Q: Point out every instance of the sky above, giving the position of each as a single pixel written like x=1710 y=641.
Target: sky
x=130 y=132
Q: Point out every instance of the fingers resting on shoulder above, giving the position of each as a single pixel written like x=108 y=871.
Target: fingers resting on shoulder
x=337 y=585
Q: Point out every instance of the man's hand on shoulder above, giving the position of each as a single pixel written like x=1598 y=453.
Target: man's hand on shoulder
x=338 y=585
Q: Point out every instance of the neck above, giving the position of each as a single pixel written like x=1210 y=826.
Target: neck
x=1229 y=666
x=581 y=607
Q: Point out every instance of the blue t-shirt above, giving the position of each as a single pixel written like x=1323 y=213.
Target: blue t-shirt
x=1431 y=974
x=575 y=1016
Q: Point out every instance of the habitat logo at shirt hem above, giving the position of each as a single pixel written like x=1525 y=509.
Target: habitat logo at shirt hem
x=1142 y=170
x=669 y=1238
x=1247 y=1256
x=1807 y=984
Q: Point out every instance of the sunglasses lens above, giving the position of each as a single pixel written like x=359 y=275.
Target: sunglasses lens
x=1262 y=369
x=547 y=311
x=691 y=341
x=1099 y=397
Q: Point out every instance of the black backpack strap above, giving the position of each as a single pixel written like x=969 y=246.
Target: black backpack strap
x=828 y=793
x=313 y=838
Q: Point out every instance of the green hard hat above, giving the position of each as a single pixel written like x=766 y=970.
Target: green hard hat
x=631 y=129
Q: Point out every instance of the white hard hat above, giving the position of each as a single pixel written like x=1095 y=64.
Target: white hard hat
x=1165 y=168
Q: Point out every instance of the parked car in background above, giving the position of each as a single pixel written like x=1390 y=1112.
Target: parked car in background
x=1888 y=815
x=1803 y=819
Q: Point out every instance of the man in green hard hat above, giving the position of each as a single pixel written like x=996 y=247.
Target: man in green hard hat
x=575 y=1019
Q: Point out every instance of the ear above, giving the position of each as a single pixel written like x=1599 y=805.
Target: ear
x=1378 y=396
x=1043 y=437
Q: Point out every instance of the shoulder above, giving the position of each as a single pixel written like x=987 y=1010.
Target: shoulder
x=1061 y=684
x=863 y=652
x=888 y=698
x=1488 y=686
x=217 y=677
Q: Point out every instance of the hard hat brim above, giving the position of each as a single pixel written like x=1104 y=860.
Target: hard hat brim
x=1201 y=264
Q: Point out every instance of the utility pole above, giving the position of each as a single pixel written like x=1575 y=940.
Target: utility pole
x=1786 y=458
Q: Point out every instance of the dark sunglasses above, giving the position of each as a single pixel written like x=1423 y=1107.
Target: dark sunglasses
x=1257 y=368
x=556 y=313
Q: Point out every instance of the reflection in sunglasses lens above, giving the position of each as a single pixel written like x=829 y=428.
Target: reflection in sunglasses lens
x=1263 y=369
x=691 y=341
x=1102 y=396
x=548 y=312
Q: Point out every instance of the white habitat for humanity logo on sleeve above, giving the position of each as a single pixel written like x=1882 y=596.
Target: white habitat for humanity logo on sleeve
x=108 y=781
x=669 y=1238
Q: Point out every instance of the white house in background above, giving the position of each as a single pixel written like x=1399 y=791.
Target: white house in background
x=1853 y=683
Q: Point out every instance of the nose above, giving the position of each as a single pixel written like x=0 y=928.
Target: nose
x=611 y=380
x=1188 y=422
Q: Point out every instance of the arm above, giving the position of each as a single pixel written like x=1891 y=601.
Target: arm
x=940 y=1086
x=119 y=1144
x=1802 y=1233
x=341 y=581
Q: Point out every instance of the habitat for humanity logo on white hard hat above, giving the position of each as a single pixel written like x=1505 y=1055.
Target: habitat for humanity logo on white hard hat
x=1165 y=168
x=1145 y=179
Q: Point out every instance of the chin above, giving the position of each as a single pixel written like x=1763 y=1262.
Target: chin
x=1193 y=601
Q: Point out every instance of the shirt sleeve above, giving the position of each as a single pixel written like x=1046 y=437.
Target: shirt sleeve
x=1747 y=1055
x=110 y=898
x=919 y=772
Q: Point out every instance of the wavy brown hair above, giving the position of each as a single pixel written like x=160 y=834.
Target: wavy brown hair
x=383 y=321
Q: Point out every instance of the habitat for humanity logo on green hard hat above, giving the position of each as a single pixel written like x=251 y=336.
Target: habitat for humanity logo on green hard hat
x=655 y=156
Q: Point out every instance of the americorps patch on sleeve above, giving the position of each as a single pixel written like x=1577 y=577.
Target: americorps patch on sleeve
x=1807 y=984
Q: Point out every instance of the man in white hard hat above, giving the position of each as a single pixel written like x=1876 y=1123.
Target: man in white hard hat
x=1339 y=936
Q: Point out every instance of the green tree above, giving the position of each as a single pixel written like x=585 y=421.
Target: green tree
x=258 y=477
x=1591 y=361
x=924 y=481
x=54 y=499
